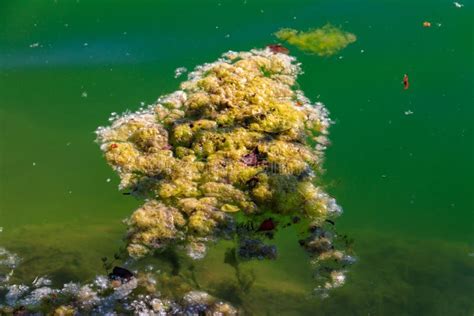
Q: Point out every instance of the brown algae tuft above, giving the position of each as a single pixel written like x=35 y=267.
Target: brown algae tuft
x=324 y=41
x=236 y=143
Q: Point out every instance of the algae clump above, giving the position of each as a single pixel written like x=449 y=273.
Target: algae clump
x=324 y=41
x=236 y=141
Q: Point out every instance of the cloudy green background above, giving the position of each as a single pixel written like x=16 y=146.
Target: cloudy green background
x=404 y=181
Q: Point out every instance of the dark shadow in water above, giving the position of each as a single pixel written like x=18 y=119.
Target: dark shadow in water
x=192 y=270
x=172 y=256
x=60 y=266
x=245 y=280
x=65 y=275
x=229 y=292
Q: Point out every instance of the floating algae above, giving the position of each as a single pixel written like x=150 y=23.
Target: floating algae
x=235 y=142
x=324 y=41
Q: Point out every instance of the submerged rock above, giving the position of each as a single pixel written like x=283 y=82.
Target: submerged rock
x=121 y=274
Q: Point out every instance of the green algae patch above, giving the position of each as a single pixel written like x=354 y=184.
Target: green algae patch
x=325 y=41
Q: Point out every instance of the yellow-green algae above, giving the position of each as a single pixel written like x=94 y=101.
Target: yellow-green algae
x=235 y=139
x=324 y=41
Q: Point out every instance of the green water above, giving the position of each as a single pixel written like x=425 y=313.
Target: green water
x=404 y=181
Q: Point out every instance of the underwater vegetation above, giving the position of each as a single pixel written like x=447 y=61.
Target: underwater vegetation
x=382 y=288
x=233 y=155
x=324 y=41
x=124 y=289
x=235 y=145
x=122 y=292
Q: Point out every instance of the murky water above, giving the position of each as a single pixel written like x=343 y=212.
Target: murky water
x=400 y=162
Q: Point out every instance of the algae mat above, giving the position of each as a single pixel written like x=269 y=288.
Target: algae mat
x=400 y=162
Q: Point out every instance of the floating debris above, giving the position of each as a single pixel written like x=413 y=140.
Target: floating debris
x=406 y=84
x=34 y=45
x=84 y=94
x=278 y=48
x=324 y=41
x=426 y=24
x=458 y=5
x=409 y=112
